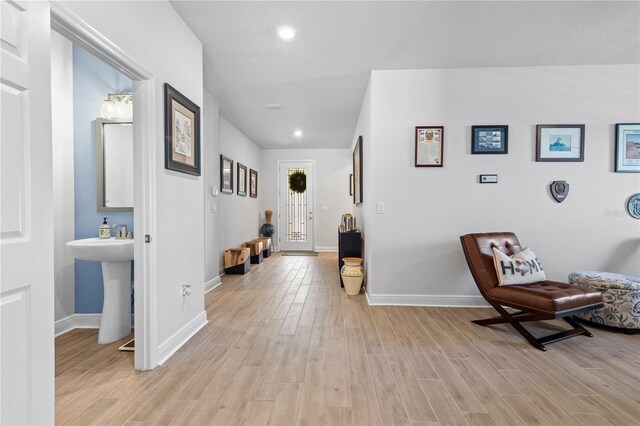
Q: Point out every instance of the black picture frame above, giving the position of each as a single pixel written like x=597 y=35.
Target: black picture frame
x=429 y=146
x=226 y=175
x=351 y=184
x=357 y=172
x=627 y=156
x=560 y=142
x=181 y=133
x=490 y=139
x=242 y=180
x=253 y=183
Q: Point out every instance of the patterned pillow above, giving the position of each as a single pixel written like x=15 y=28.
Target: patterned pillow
x=520 y=268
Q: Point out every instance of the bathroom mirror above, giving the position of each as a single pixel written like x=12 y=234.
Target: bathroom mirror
x=115 y=165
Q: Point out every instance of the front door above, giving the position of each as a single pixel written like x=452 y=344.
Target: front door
x=295 y=221
x=26 y=216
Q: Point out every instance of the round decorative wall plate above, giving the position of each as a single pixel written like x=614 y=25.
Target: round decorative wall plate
x=633 y=206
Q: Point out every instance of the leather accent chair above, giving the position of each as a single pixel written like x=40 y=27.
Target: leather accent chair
x=544 y=300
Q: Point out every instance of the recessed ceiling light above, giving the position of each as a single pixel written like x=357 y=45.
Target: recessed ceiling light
x=297 y=133
x=286 y=33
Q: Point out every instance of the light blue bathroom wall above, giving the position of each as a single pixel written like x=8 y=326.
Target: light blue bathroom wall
x=92 y=80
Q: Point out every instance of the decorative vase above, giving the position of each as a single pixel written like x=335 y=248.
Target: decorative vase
x=267 y=229
x=352 y=275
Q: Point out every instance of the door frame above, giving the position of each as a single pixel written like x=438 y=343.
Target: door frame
x=313 y=201
x=144 y=175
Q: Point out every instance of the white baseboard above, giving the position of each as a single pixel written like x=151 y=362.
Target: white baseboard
x=211 y=284
x=326 y=249
x=180 y=337
x=435 y=300
x=74 y=321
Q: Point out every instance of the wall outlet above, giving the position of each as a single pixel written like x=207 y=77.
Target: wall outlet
x=214 y=208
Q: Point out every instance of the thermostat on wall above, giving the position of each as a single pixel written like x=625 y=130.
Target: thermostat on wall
x=488 y=178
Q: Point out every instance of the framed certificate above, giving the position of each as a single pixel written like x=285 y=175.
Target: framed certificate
x=429 y=146
x=627 y=148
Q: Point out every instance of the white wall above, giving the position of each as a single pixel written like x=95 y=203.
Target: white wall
x=156 y=37
x=416 y=250
x=239 y=216
x=63 y=198
x=211 y=176
x=332 y=169
x=363 y=128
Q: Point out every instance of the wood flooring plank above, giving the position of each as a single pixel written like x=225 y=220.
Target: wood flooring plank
x=389 y=401
x=257 y=413
x=285 y=406
x=364 y=405
x=442 y=404
x=339 y=416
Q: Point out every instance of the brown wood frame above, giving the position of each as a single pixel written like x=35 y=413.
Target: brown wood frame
x=222 y=188
x=441 y=128
x=171 y=94
x=242 y=191
x=251 y=193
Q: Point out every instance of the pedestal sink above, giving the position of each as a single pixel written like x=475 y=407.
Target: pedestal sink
x=116 y=256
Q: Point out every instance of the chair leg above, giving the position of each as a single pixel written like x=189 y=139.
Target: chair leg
x=516 y=318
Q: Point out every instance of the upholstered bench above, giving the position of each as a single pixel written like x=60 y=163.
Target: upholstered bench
x=621 y=296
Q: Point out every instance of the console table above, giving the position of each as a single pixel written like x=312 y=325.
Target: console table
x=349 y=245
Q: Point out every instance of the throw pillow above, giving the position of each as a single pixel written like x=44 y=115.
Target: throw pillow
x=520 y=268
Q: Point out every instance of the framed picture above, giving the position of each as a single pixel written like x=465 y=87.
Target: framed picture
x=560 y=142
x=351 y=184
x=242 y=180
x=181 y=133
x=489 y=139
x=429 y=146
x=253 y=183
x=627 y=148
x=357 y=172
x=226 y=175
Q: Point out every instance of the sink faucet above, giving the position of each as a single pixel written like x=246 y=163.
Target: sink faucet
x=121 y=233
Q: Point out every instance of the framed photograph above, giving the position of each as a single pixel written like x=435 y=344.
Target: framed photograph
x=489 y=139
x=560 y=142
x=226 y=175
x=181 y=133
x=242 y=180
x=429 y=146
x=351 y=184
x=253 y=183
x=357 y=172
x=627 y=148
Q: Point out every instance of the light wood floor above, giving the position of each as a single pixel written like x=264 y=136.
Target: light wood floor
x=284 y=345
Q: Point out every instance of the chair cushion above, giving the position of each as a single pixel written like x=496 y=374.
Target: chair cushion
x=549 y=296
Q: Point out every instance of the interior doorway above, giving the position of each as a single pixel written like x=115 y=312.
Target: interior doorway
x=144 y=172
x=296 y=206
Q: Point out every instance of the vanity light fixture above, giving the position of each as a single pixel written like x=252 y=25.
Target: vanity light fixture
x=297 y=133
x=117 y=105
x=286 y=33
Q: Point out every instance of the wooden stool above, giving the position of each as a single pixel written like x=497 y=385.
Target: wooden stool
x=256 y=250
x=236 y=261
x=266 y=246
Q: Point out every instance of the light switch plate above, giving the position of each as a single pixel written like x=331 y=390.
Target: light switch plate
x=488 y=178
x=214 y=190
x=380 y=208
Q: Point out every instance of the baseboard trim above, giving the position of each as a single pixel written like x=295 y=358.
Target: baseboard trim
x=326 y=249
x=434 y=300
x=211 y=284
x=180 y=337
x=66 y=324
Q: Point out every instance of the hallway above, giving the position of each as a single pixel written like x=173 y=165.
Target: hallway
x=285 y=345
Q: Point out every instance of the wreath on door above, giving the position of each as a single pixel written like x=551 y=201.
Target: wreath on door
x=298 y=182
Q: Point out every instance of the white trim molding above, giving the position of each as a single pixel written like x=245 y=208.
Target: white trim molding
x=434 y=300
x=180 y=337
x=66 y=324
x=211 y=284
x=326 y=249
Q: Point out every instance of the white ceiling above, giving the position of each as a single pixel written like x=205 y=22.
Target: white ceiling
x=321 y=76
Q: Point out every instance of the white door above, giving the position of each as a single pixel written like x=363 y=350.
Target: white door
x=26 y=216
x=295 y=221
